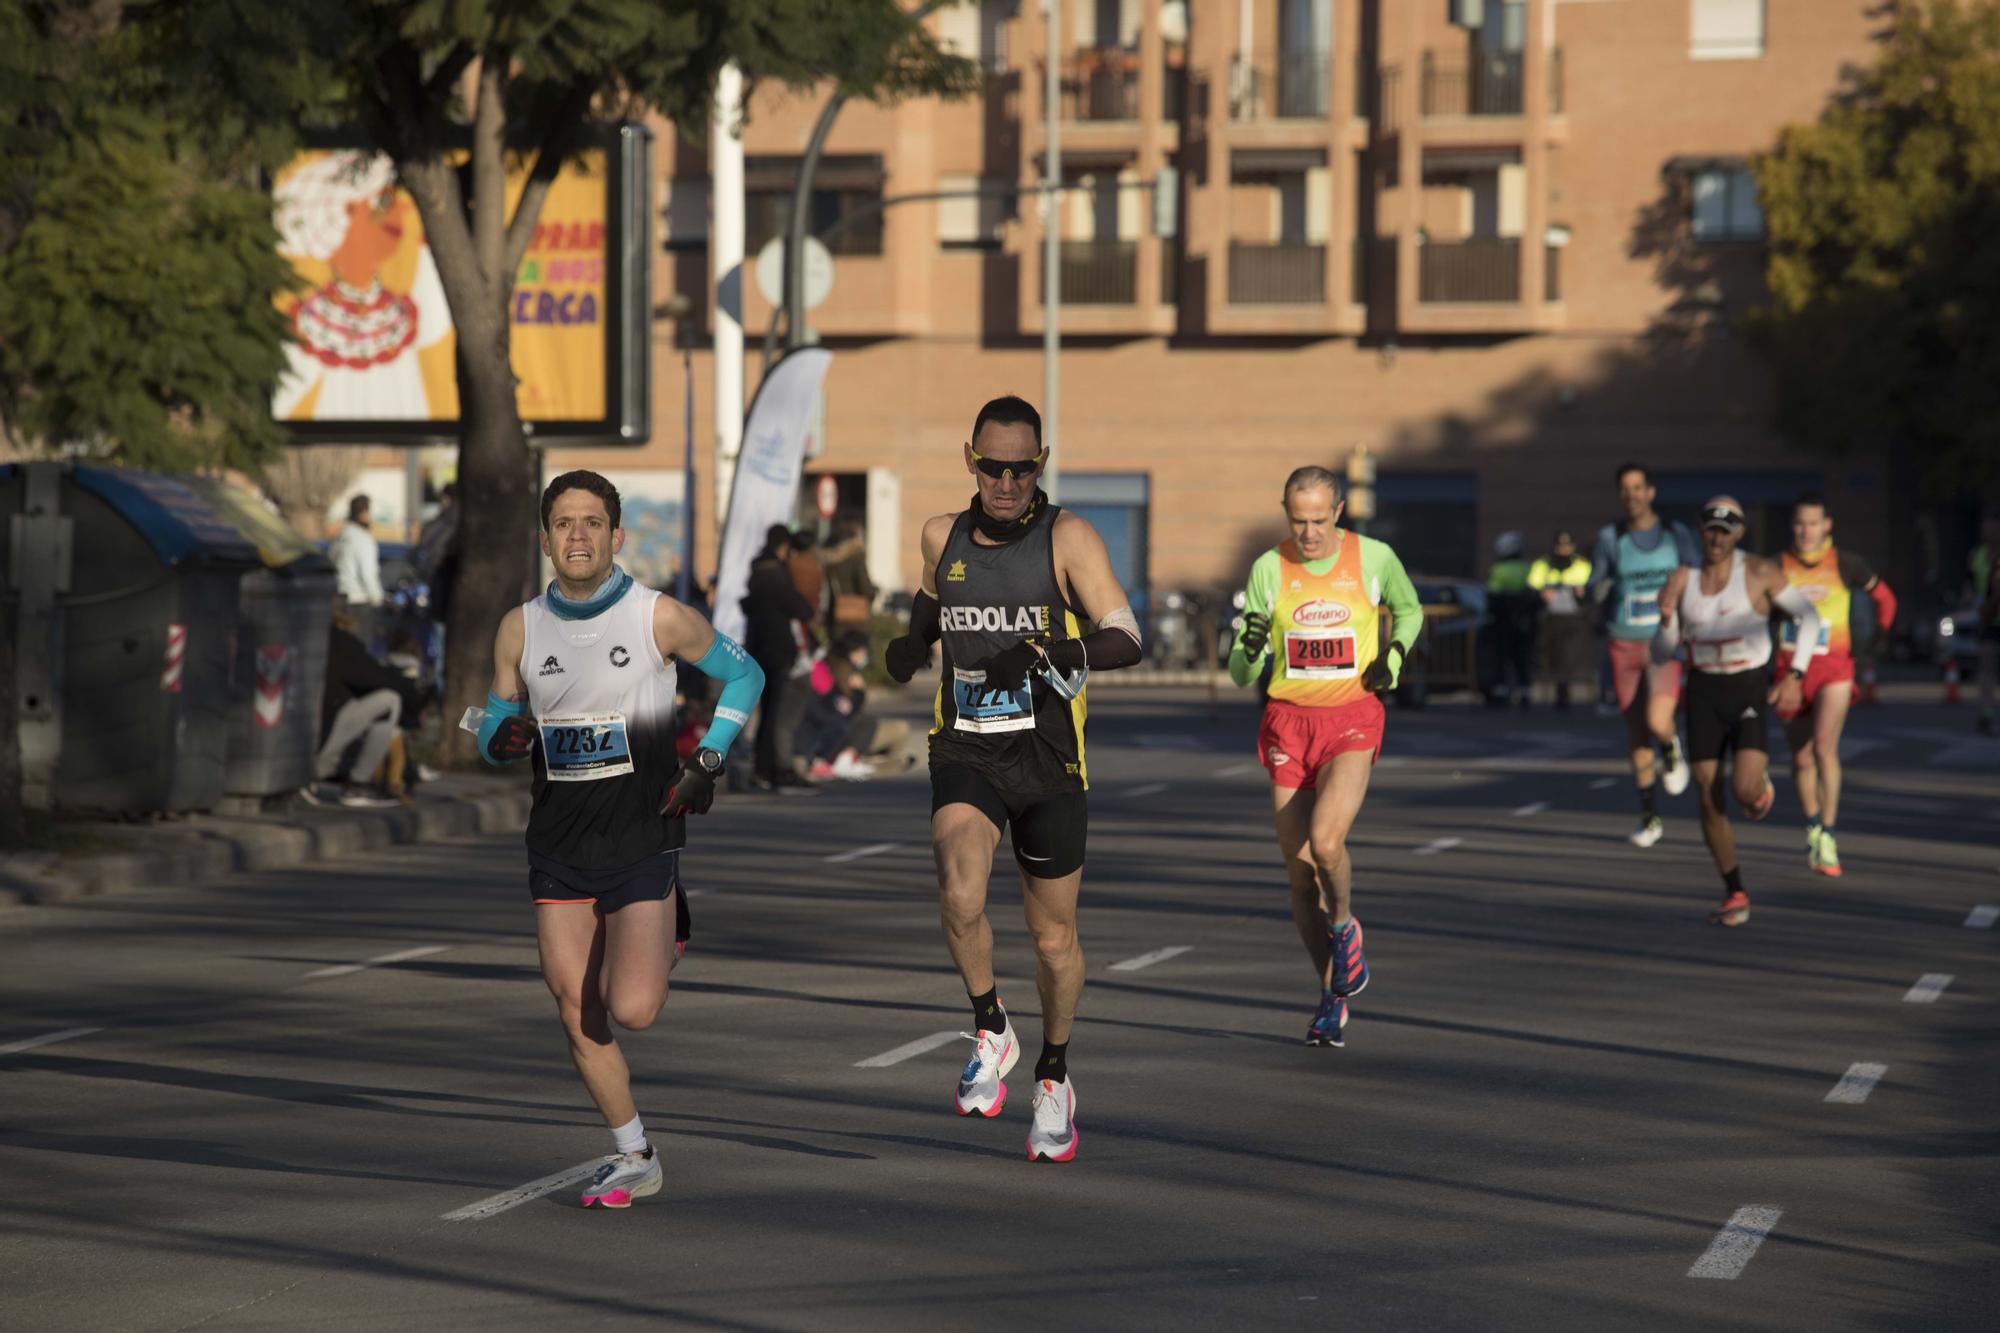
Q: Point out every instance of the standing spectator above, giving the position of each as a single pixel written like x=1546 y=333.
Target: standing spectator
x=1513 y=605
x=808 y=575
x=1561 y=577
x=1986 y=596
x=774 y=636
x=436 y=562
x=847 y=583
x=357 y=566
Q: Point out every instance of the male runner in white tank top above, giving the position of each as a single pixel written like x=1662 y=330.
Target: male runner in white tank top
x=1722 y=612
x=583 y=683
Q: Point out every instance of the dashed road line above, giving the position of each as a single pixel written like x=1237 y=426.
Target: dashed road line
x=46 y=1039
x=1238 y=770
x=908 y=1049
x=401 y=956
x=1148 y=959
x=1603 y=784
x=872 y=849
x=1855 y=1085
x=1436 y=845
x=1531 y=808
x=1738 y=1240
x=1982 y=917
x=528 y=1193
x=1929 y=986
x=1148 y=789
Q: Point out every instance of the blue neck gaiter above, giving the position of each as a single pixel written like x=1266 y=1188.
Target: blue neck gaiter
x=607 y=592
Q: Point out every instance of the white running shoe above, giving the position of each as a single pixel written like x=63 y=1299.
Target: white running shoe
x=846 y=766
x=1052 y=1138
x=1675 y=776
x=623 y=1178
x=1650 y=831
x=981 y=1089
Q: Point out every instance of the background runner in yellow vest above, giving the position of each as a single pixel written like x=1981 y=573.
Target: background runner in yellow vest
x=1313 y=605
x=1560 y=579
x=1006 y=585
x=1829 y=579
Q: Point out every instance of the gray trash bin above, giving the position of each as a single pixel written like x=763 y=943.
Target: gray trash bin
x=282 y=614
x=132 y=579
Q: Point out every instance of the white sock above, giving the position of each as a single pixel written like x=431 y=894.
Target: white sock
x=631 y=1137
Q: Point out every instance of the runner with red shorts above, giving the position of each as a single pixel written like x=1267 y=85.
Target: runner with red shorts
x=1315 y=599
x=1828 y=578
x=1631 y=564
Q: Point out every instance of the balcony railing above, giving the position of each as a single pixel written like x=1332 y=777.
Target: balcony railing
x=1262 y=273
x=1101 y=83
x=1293 y=86
x=1486 y=83
x=1483 y=269
x=1098 y=272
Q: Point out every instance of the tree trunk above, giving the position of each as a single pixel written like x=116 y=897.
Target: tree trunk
x=499 y=514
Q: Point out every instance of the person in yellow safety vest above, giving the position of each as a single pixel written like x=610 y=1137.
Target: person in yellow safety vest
x=1513 y=608
x=1561 y=577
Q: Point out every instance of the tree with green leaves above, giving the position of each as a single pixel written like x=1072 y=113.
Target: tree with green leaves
x=137 y=263
x=452 y=91
x=1884 y=319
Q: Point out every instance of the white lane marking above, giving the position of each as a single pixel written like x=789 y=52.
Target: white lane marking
x=1148 y=789
x=908 y=1049
x=695 y=893
x=1982 y=917
x=1929 y=986
x=1531 y=808
x=1238 y=770
x=872 y=849
x=1148 y=959
x=528 y=1193
x=1736 y=1242
x=1603 y=783
x=46 y=1039
x=403 y=956
x=1855 y=1085
x=1436 y=845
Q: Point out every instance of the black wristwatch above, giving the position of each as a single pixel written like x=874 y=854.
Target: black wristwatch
x=708 y=761
x=1795 y=673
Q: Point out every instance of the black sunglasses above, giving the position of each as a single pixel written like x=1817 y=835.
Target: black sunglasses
x=1001 y=468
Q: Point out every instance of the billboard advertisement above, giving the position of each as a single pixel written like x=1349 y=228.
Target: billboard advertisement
x=373 y=357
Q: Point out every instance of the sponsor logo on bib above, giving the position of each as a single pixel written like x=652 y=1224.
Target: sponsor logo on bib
x=1320 y=614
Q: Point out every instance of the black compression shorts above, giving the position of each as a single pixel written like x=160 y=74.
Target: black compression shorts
x=1727 y=713
x=1049 y=830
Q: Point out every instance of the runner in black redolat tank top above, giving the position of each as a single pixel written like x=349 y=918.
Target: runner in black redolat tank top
x=1007 y=585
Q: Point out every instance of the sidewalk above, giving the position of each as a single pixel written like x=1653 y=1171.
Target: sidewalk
x=203 y=847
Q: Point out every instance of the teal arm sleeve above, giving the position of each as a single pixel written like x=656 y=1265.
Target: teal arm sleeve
x=498 y=710
x=742 y=684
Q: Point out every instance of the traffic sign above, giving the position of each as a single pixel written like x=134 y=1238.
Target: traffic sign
x=817 y=273
x=827 y=495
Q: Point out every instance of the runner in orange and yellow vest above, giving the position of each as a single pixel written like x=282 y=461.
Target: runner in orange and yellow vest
x=1313 y=605
x=1828 y=578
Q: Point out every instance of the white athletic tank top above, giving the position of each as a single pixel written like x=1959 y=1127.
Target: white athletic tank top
x=1725 y=635
x=603 y=702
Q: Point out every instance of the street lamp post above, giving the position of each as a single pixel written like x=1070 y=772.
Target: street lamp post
x=687 y=335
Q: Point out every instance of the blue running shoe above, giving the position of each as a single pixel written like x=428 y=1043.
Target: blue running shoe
x=1329 y=1023
x=1350 y=965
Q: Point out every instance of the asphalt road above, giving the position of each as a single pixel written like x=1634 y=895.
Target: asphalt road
x=1558 y=1094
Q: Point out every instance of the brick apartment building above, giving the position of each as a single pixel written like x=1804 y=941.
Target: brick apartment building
x=1501 y=245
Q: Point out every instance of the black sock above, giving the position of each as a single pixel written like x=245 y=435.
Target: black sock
x=1054 y=1064
x=1646 y=806
x=987 y=1013
x=1732 y=879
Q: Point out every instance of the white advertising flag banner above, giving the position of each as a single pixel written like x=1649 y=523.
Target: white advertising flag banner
x=775 y=441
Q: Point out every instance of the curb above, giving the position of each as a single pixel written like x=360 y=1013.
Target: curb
x=207 y=847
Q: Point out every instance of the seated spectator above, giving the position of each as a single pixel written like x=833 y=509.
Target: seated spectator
x=360 y=712
x=838 y=735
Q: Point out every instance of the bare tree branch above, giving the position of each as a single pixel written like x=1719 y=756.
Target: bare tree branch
x=556 y=144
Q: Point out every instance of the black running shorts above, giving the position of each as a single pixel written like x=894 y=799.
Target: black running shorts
x=1049 y=830
x=650 y=880
x=1727 y=713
